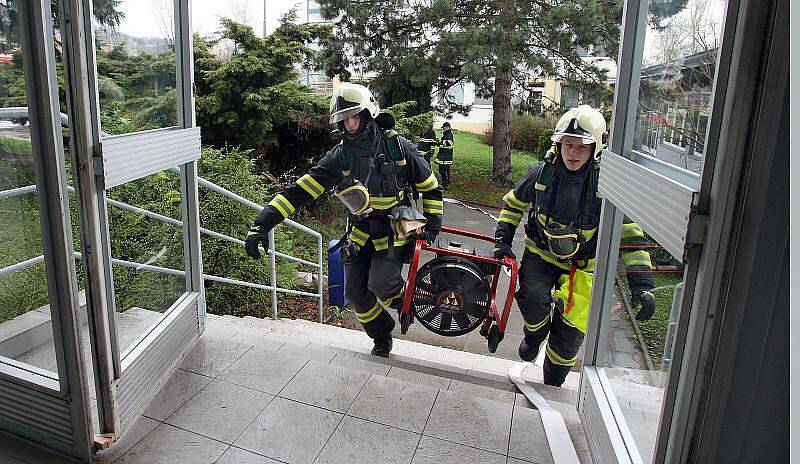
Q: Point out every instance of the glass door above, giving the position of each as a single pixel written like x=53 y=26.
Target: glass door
x=132 y=104
x=652 y=182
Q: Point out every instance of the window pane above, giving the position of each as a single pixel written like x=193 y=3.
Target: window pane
x=139 y=244
x=636 y=347
x=26 y=332
x=136 y=66
x=675 y=88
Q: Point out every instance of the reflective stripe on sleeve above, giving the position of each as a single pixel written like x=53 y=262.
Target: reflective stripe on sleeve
x=636 y=258
x=631 y=229
x=284 y=206
x=433 y=206
x=359 y=236
x=381 y=243
x=384 y=202
x=511 y=200
x=428 y=184
x=310 y=185
x=510 y=217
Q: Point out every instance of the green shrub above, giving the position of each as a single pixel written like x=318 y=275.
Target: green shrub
x=545 y=142
x=526 y=132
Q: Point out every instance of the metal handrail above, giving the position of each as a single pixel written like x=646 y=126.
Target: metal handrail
x=273 y=287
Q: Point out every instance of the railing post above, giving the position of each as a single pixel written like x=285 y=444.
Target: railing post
x=273 y=274
x=319 y=280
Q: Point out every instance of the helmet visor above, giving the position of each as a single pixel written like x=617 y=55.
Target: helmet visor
x=571 y=128
x=345 y=113
x=560 y=137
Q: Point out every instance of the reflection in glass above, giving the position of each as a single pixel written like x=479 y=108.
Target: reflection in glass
x=675 y=88
x=136 y=67
x=24 y=301
x=137 y=241
x=635 y=350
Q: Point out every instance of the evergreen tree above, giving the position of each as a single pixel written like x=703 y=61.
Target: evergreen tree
x=499 y=45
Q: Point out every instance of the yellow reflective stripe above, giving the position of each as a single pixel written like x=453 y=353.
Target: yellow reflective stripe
x=428 y=184
x=538 y=325
x=359 y=236
x=310 y=185
x=284 y=206
x=539 y=186
x=447 y=144
x=556 y=359
x=552 y=259
x=381 y=243
x=438 y=161
x=400 y=241
x=631 y=229
x=387 y=302
x=384 y=202
x=510 y=217
x=636 y=258
x=433 y=206
x=370 y=315
x=511 y=200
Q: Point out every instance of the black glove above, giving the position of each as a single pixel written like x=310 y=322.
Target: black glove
x=258 y=235
x=648 y=304
x=429 y=234
x=503 y=249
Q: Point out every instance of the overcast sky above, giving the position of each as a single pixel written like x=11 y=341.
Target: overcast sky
x=144 y=18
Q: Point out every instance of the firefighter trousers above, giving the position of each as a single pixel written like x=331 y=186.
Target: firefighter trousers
x=373 y=284
x=444 y=173
x=537 y=278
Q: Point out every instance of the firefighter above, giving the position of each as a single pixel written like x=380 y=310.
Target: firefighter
x=375 y=173
x=560 y=241
x=445 y=157
x=427 y=145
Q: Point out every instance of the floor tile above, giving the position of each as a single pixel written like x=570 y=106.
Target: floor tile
x=419 y=378
x=181 y=386
x=394 y=402
x=240 y=456
x=256 y=338
x=358 y=441
x=470 y=421
x=210 y=356
x=326 y=386
x=317 y=353
x=262 y=370
x=528 y=439
x=360 y=364
x=482 y=391
x=289 y=431
x=220 y=411
x=168 y=445
x=133 y=434
x=435 y=451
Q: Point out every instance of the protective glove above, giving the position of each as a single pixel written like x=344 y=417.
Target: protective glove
x=503 y=249
x=429 y=234
x=648 y=304
x=258 y=235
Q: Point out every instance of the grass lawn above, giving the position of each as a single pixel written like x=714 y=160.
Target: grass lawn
x=472 y=170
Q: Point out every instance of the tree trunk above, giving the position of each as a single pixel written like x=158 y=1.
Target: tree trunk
x=501 y=129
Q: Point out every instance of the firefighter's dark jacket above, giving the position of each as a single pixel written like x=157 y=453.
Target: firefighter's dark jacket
x=560 y=202
x=331 y=169
x=445 y=155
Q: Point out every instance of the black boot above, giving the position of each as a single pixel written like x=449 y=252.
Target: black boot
x=528 y=352
x=383 y=347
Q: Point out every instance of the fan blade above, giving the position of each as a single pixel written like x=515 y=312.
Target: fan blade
x=446 y=322
x=425 y=286
x=461 y=319
x=429 y=315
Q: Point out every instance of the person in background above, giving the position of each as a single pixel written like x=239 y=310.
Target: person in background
x=445 y=157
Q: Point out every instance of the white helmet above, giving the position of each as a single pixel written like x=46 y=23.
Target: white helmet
x=585 y=123
x=351 y=99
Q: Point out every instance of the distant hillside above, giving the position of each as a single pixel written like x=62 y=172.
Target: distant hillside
x=133 y=45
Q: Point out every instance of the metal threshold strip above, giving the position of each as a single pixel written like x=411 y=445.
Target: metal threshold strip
x=561 y=447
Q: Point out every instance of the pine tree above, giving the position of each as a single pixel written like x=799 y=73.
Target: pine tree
x=503 y=46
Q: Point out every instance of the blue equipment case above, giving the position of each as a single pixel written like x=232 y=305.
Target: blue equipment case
x=336 y=277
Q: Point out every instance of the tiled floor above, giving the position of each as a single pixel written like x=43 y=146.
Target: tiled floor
x=232 y=402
